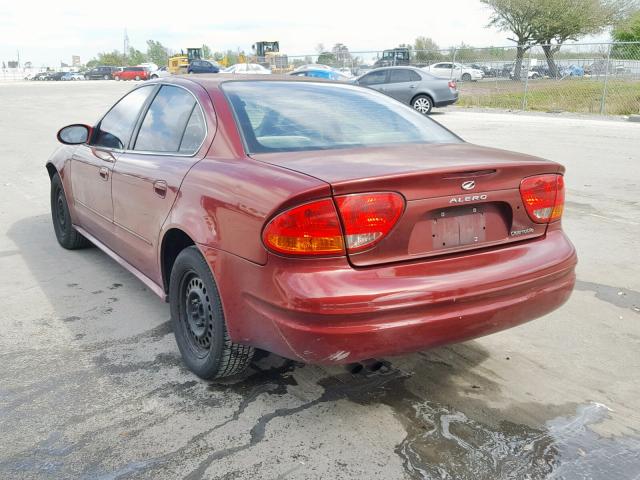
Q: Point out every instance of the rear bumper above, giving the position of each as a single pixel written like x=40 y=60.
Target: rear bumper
x=325 y=311
x=444 y=103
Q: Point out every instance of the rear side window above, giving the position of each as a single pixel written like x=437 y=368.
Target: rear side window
x=374 y=78
x=115 y=129
x=165 y=125
x=403 y=75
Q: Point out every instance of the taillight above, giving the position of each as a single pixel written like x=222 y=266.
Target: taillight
x=453 y=85
x=310 y=229
x=368 y=217
x=543 y=197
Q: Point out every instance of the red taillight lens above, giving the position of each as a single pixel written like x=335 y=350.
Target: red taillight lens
x=310 y=229
x=453 y=84
x=543 y=197
x=368 y=217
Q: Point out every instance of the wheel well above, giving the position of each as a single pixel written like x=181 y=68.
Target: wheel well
x=174 y=241
x=422 y=95
x=51 y=170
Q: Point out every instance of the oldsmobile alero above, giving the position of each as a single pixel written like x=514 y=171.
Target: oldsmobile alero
x=324 y=222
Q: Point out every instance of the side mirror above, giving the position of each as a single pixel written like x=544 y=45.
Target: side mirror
x=74 y=134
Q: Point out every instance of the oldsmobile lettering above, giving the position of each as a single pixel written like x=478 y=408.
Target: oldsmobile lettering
x=468 y=198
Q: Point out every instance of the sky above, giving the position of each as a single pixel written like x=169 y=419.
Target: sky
x=47 y=33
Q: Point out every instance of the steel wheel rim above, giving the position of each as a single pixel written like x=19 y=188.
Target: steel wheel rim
x=422 y=105
x=196 y=314
x=60 y=211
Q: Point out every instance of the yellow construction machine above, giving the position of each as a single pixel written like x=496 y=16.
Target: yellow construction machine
x=268 y=55
x=179 y=63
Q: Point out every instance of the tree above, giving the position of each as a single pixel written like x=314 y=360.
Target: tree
x=562 y=20
x=627 y=30
x=426 y=50
x=341 y=54
x=206 y=51
x=136 y=57
x=326 y=58
x=157 y=53
x=550 y=23
x=114 y=59
x=518 y=17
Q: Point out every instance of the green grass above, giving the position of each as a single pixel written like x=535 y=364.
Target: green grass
x=571 y=95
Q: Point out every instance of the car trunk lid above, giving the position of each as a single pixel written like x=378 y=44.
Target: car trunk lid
x=459 y=197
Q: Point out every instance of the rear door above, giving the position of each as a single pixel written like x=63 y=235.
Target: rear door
x=147 y=177
x=375 y=79
x=402 y=84
x=92 y=164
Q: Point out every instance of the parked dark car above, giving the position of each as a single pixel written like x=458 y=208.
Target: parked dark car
x=56 y=76
x=203 y=66
x=321 y=221
x=411 y=86
x=100 y=73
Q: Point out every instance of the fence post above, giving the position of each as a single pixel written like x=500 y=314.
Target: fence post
x=526 y=80
x=453 y=60
x=603 y=100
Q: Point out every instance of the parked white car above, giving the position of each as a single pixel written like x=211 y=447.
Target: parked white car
x=159 y=73
x=247 y=69
x=454 y=71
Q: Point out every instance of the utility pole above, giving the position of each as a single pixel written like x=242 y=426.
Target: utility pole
x=125 y=46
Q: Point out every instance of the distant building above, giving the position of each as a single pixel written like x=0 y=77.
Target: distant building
x=75 y=60
x=12 y=64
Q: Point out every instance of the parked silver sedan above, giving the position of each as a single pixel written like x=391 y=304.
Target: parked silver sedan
x=411 y=86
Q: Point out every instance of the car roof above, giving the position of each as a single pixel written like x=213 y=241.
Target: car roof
x=212 y=81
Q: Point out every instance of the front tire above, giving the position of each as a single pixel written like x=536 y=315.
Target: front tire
x=117 y=79
x=198 y=320
x=423 y=104
x=68 y=237
x=466 y=77
x=137 y=77
x=106 y=77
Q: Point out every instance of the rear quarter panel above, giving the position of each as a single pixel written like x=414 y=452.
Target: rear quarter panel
x=226 y=199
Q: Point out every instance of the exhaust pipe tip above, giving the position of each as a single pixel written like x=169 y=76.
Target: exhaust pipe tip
x=371 y=365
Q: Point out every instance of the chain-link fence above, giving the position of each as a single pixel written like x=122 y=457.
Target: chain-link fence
x=601 y=78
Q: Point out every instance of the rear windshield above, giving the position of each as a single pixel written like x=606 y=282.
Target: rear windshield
x=280 y=116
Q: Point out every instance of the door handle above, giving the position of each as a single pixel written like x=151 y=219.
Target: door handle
x=160 y=187
x=412 y=86
x=104 y=173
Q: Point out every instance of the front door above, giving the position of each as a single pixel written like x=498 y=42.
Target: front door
x=147 y=178
x=92 y=164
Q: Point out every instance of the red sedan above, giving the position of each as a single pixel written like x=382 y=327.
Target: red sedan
x=324 y=222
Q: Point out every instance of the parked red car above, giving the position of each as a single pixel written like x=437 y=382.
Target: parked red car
x=324 y=222
x=132 y=73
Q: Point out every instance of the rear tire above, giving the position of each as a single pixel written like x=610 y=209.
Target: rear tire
x=137 y=77
x=68 y=237
x=423 y=104
x=466 y=77
x=116 y=78
x=198 y=320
